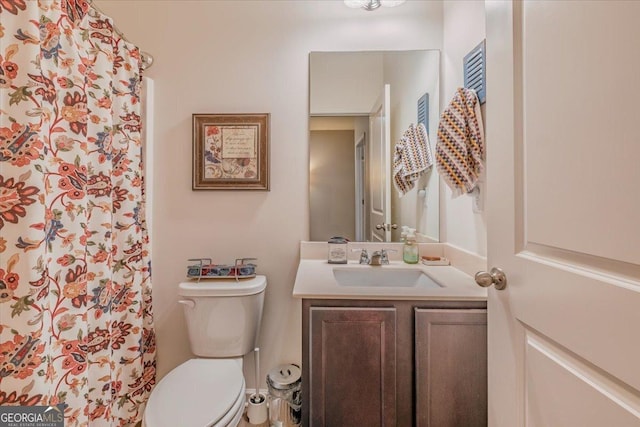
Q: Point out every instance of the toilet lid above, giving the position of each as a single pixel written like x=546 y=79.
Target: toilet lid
x=223 y=287
x=197 y=393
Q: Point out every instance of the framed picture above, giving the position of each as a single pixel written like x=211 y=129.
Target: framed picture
x=231 y=152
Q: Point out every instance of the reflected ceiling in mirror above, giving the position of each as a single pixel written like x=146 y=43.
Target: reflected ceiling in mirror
x=351 y=131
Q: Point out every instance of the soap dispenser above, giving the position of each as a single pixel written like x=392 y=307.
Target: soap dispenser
x=410 y=253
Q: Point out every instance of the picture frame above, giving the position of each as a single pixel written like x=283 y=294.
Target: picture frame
x=231 y=151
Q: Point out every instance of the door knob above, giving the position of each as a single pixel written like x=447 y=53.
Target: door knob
x=387 y=227
x=495 y=277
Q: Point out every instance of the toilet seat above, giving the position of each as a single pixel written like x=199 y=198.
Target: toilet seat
x=198 y=393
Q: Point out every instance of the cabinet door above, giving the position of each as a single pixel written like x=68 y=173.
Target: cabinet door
x=353 y=367
x=451 y=368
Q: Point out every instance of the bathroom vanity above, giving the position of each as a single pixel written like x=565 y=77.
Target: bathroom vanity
x=363 y=358
x=392 y=353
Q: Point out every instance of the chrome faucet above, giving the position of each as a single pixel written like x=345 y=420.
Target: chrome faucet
x=376 y=258
x=384 y=258
x=381 y=257
x=364 y=256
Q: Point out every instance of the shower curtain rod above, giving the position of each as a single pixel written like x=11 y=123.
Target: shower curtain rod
x=147 y=58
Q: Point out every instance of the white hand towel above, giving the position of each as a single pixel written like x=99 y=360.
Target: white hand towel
x=412 y=158
x=460 y=143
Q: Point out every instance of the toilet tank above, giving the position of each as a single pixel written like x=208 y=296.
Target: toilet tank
x=223 y=315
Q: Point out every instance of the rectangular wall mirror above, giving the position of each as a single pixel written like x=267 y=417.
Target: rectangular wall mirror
x=360 y=104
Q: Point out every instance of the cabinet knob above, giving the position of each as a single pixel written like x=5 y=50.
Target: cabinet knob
x=495 y=277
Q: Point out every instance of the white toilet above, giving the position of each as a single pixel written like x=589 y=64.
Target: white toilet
x=223 y=320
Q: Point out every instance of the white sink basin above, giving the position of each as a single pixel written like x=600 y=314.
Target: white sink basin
x=383 y=277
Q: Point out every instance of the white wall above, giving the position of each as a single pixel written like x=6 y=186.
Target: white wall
x=244 y=56
x=343 y=84
x=464 y=28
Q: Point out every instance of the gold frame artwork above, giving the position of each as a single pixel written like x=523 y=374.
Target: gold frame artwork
x=231 y=152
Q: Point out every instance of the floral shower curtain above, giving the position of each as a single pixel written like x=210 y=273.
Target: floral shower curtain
x=75 y=299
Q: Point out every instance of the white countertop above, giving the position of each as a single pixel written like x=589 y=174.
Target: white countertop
x=315 y=279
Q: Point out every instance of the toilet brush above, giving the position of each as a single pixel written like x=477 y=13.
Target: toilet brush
x=256 y=397
x=257 y=410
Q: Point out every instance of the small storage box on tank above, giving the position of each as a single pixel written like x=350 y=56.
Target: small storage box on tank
x=206 y=269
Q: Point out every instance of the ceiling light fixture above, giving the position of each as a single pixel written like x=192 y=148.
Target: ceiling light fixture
x=372 y=4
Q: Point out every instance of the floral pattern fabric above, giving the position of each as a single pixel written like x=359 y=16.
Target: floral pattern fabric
x=75 y=293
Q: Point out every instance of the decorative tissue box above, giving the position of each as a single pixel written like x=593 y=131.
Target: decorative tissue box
x=206 y=269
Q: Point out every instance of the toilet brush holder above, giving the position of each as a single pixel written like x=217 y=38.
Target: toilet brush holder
x=257 y=409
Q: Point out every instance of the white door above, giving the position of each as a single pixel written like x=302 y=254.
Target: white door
x=563 y=209
x=360 y=168
x=380 y=168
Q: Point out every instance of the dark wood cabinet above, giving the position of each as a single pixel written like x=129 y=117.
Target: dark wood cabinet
x=394 y=363
x=353 y=355
x=451 y=368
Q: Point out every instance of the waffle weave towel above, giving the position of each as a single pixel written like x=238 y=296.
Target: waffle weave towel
x=412 y=158
x=460 y=143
